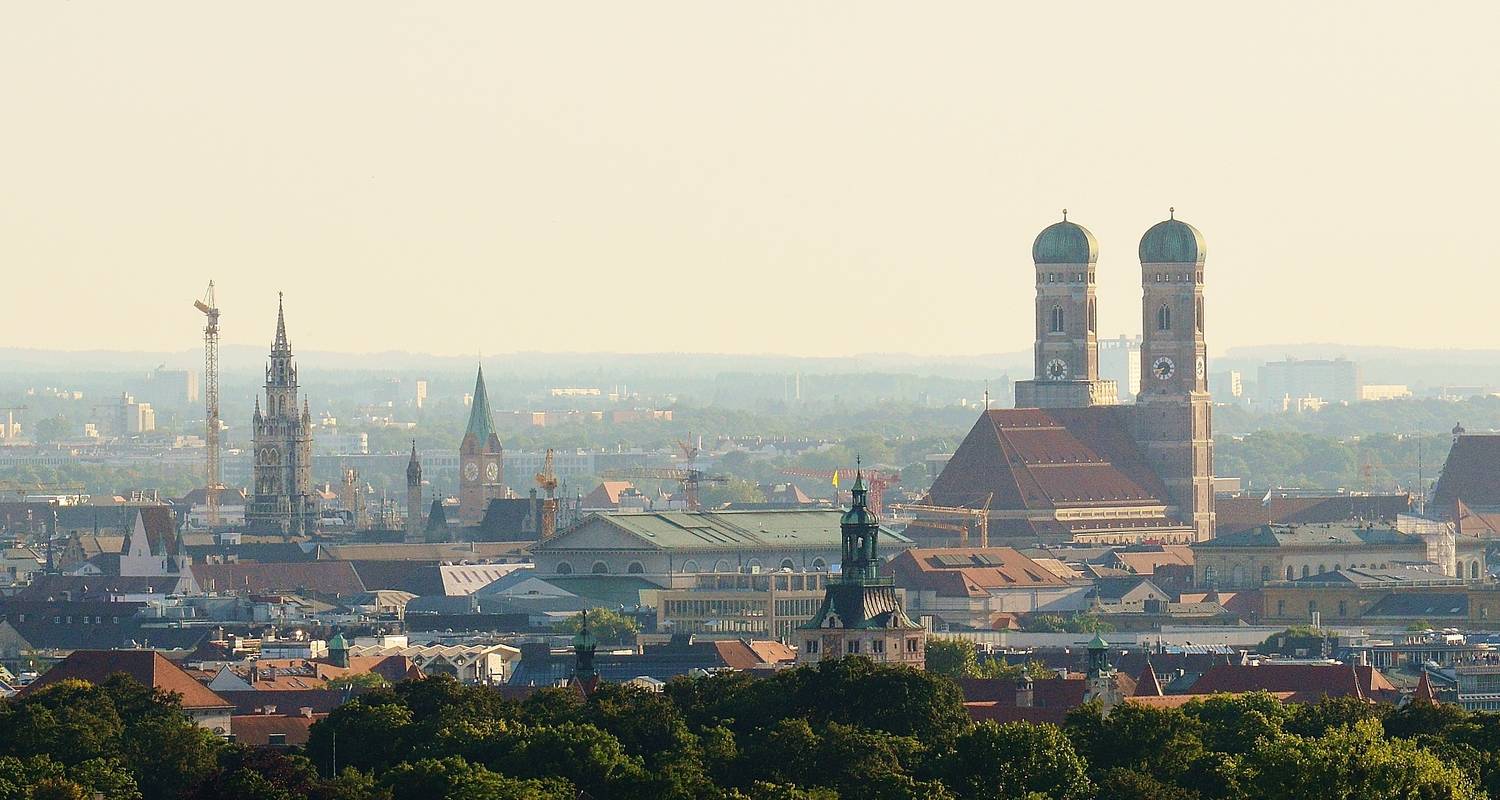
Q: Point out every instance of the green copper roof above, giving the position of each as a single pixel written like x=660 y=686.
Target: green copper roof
x=718 y=530
x=338 y=642
x=1172 y=241
x=1065 y=243
x=1098 y=643
x=481 y=421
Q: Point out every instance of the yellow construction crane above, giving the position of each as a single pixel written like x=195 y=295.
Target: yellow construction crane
x=977 y=518
x=212 y=482
x=547 y=480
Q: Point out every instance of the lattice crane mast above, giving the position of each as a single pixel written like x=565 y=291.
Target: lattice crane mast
x=213 y=483
x=976 y=518
x=876 y=482
x=547 y=480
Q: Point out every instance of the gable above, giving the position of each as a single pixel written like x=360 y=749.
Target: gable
x=595 y=533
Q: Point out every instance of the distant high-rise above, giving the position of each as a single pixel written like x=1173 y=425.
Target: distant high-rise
x=481 y=459
x=283 y=498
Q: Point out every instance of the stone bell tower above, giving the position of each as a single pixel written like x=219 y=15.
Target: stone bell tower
x=1174 y=414
x=1066 y=368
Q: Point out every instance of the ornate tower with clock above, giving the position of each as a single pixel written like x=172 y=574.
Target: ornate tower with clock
x=1067 y=345
x=1174 y=414
x=283 y=499
x=481 y=460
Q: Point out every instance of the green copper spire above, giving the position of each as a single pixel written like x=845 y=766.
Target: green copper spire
x=860 y=531
x=481 y=420
x=584 y=645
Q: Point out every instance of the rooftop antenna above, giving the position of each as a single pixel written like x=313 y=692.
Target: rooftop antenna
x=987 y=387
x=1065 y=215
x=1171 y=212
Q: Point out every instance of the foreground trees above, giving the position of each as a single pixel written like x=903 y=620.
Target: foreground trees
x=843 y=729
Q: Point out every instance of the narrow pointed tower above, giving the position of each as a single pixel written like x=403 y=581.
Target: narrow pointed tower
x=414 y=530
x=481 y=460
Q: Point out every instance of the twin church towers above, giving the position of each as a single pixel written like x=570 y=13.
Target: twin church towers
x=1171 y=422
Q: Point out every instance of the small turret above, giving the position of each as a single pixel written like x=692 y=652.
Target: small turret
x=338 y=650
x=584 y=645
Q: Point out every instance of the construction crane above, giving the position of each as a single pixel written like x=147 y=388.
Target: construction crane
x=213 y=484
x=690 y=479
x=547 y=480
x=11 y=430
x=875 y=481
x=977 y=518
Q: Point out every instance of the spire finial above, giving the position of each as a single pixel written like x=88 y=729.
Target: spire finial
x=1065 y=215
x=1171 y=212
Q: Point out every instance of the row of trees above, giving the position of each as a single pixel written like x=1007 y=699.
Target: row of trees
x=845 y=728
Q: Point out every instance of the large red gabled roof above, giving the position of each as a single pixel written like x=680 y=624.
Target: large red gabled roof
x=1028 y=458
x=146 y=666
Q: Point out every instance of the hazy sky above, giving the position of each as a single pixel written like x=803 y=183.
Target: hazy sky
x=804 y=178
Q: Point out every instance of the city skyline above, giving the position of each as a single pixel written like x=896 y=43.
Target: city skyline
x=406 y=194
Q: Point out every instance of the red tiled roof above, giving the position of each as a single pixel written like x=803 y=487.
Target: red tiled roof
x=1027 y=458
x=251 y=701
x=968 y=572
x=1329 y=680
x=606 y=494
x=1471 y=473
x=743 y=654
x=1145 y=562
x=146 y=666
x=312 y=577
x=255 y=730
x=1147 y=685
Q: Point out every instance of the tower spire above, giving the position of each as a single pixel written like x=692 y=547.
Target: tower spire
x=481 y=419
x=280 y=345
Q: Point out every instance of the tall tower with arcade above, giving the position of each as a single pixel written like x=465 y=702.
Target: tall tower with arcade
x=1066 y=353
x=1174 y=415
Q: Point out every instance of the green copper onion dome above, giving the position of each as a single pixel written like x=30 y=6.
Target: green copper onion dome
x=1098 y=643
x=1173 y=241
x=1065 y=243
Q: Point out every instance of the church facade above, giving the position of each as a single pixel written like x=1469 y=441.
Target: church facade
x=283 y=499
x=1070 y=463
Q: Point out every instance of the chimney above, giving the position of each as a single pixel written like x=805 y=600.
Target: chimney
x=305 y=711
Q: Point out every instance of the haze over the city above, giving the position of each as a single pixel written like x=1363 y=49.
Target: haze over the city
x=776 y=177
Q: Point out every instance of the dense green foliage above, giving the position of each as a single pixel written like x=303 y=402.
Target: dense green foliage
x=844 y=729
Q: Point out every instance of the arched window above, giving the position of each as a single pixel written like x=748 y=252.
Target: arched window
x=819 y=565
x=753 y=564
x=1336 y=566
x=1093 y=318
x=1322 y=569
x=1265 y=574
x=1289 y=574
x=601 y=568
x=690 y=566
x=1057 y=319
x=1198 y=317
x=564 y=568
x=1474 y=570
x=721 y=566
x=786 y=564
x=1164 y=318
x=635 y=568
x=1304 y=571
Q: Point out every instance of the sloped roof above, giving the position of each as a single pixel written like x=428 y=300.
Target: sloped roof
x=423 y=551
x=1330 y=680
x=1321 y=535
x=481 y=431
x=861 y=607
x=255 y=730
x=1028 y=458
x=969 y=572
x=1370 y=576
x=1471 y=473
x=725 y=530
x=336 y=578
x=1243 y=512
x=1145 y=561
x=606 y=494
x=746 y=654
x=1434 y=605
x=146 y=666
x=252 y=701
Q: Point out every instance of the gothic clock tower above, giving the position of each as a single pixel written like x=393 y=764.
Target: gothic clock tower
x=283 y=499
x=481 y=460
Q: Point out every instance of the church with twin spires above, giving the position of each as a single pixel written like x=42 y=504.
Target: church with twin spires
x=1069 y=463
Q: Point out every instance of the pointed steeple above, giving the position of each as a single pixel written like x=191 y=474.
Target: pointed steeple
x=481 y=419
x=281 y=345
x=1424 y=692
x=861 y=530
x=1147 y=685
x=413 y=467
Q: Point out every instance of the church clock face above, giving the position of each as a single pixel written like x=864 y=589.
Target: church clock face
x=471 y=471
x=492 y=471
x=1163 y=368
x=1057 y=369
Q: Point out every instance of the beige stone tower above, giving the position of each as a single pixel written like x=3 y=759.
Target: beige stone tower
x=1174 y=414
x=414 y=531
x=1066 y=366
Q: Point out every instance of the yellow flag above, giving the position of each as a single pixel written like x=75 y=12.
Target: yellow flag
x=835 y=479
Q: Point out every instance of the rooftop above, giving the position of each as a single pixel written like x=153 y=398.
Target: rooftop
x=722 y=530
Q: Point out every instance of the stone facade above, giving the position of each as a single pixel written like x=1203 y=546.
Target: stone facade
x=283 y=498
